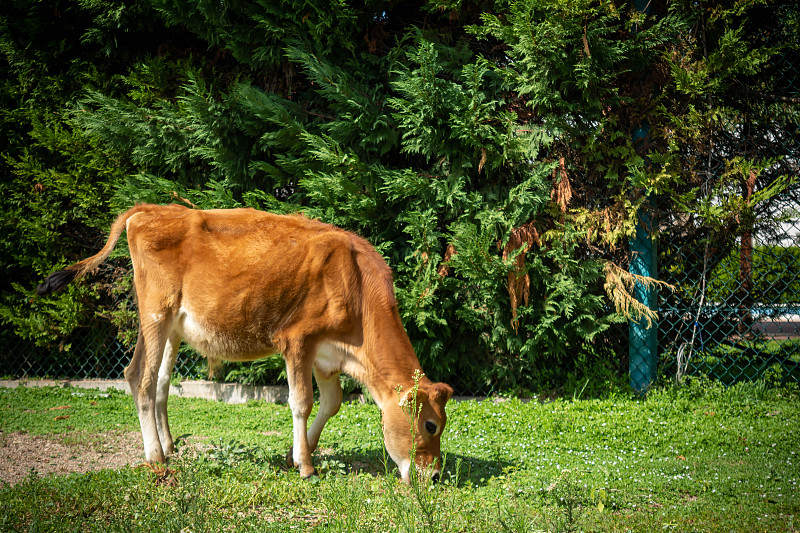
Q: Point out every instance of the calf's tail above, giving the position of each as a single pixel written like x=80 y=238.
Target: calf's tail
x=61 y=278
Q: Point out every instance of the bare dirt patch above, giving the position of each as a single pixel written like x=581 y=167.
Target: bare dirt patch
x=66 y=453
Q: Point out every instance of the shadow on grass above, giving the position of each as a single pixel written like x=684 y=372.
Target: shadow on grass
x=458 y=468
x=334 y=459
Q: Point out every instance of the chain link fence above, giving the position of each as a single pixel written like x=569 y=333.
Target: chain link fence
x=734 y=313
x=91 y=353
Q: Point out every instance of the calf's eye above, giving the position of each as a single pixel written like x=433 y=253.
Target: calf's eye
x=431 y=427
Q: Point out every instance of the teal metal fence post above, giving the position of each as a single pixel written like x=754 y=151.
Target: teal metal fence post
x=643 y=340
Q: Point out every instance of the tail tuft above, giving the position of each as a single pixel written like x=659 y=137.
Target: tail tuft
x=56 y=281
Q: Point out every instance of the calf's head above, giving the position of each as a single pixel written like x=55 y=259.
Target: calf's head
x=412 y=428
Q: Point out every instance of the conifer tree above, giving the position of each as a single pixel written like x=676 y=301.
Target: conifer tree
x=486 y=149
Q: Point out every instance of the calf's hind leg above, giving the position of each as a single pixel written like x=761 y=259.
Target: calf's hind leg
x=142 y=377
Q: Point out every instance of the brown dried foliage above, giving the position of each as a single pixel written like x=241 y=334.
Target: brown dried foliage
x=562 y=189
x=519 y=282
x=444 y=267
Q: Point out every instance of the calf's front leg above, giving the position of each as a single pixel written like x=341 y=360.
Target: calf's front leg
x=301 y=399
x=330 y=400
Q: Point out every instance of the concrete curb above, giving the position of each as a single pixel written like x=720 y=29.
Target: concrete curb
x=209 y=390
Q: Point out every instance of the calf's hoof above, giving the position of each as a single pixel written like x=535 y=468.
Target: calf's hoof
x=305 y=473
x=309 y=474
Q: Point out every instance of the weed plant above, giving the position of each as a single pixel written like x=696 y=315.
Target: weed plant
x=702 y=457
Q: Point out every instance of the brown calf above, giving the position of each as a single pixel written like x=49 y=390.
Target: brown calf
x=242 y=284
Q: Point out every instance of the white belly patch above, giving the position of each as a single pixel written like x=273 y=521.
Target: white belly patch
x=218 y=344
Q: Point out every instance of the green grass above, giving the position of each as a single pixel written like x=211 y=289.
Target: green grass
x=700 y=458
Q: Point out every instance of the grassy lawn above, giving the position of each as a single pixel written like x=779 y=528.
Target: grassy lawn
x=702 y=458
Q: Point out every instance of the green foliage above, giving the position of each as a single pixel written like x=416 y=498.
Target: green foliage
x=57 y=183
x=493 y=154
x=52 y=202
x=267 y=371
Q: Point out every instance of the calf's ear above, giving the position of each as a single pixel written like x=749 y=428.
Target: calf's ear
x=441 y=392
